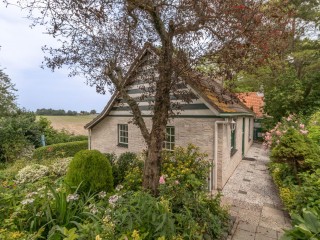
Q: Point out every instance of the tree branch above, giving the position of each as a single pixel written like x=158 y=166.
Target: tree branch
x=118 y=81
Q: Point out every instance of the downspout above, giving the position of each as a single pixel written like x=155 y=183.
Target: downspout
x=89 y=138
x=216 y=152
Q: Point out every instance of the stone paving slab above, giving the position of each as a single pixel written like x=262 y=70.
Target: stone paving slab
x=253 y=200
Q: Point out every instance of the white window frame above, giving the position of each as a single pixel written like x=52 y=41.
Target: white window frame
x=169 y=142
x=123 y=135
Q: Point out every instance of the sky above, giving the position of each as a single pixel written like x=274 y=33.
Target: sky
x=21 y=57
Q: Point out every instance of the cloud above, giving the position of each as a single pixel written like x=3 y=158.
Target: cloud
x=21 y=57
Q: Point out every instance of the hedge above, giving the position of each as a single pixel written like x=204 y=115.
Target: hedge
x=68 y=149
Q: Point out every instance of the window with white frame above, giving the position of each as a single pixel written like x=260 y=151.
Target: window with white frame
x=123 y=135
x=169 y=142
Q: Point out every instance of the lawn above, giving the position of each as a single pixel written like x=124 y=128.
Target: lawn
x=73 y=124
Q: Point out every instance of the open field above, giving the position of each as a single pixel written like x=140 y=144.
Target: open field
x=73 y=124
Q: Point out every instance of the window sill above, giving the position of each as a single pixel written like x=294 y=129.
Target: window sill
x=122 y=145
x=233 y=151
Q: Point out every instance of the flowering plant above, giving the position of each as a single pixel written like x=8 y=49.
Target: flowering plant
x=273 y=137
x=32 y=173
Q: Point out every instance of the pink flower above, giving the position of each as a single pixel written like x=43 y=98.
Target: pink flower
x=301 y=126
x=304 y=131
x=162 y=180
x=176 y=182
x=289 y=118
x=278 y=133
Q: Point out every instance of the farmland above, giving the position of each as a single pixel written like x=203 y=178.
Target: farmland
x=73 y=124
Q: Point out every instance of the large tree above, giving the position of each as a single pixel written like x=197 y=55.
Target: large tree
x=101 y=38
x=292 y=79
x=7 y=95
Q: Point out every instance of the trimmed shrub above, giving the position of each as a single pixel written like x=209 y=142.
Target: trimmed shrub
x=60 y=150
x=92 y=170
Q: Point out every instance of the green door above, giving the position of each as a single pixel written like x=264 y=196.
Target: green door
x=243 y=131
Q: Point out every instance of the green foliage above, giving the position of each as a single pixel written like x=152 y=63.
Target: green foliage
x=295 y=150
x=68 y=149
x=305 y=227
x=292 y=81
x=187 y=166
x=133 y=179
x=184 y=183
x=18 y=132
x=139 y=210
x=122 y=165
x=7 y=95
x=308 y=194
x=92 y=170
x=47 y=209
x=314 y=127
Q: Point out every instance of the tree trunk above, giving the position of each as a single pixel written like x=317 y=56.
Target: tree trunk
x=152 y=166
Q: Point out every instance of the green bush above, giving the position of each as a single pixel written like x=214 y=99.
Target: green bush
x=186 y=166
x=295 y=150
x=123 y=164
x=60 y=150
x=92 y=170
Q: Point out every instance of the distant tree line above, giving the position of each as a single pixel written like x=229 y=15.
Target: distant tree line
x=61 y=112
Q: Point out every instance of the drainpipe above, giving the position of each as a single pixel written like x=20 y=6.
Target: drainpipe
x=89 y=138
x=216 y=153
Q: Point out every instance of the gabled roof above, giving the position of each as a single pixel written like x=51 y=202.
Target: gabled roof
x=254 y=101
x=210 y=91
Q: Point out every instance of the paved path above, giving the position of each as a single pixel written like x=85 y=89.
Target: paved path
x=254 y=200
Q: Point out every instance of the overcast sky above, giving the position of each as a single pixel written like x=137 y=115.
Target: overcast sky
x=21 y=57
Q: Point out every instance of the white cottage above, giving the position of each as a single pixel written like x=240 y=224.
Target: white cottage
x=220 y=126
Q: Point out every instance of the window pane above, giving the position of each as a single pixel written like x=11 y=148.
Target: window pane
x=168 y=146
x=123 y=133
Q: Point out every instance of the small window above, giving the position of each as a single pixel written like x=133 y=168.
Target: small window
x=233 y=141
x=123 y=135
x=168 y=144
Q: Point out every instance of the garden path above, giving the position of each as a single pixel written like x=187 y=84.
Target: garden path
x=254 y=200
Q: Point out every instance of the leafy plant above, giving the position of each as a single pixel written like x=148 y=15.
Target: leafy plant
x=314 y=127
x=32 y=173
x=92 y=170
x=186 y=166
x=305 y=227
x=293 y=149
x=140 y=211
x=123 y=164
